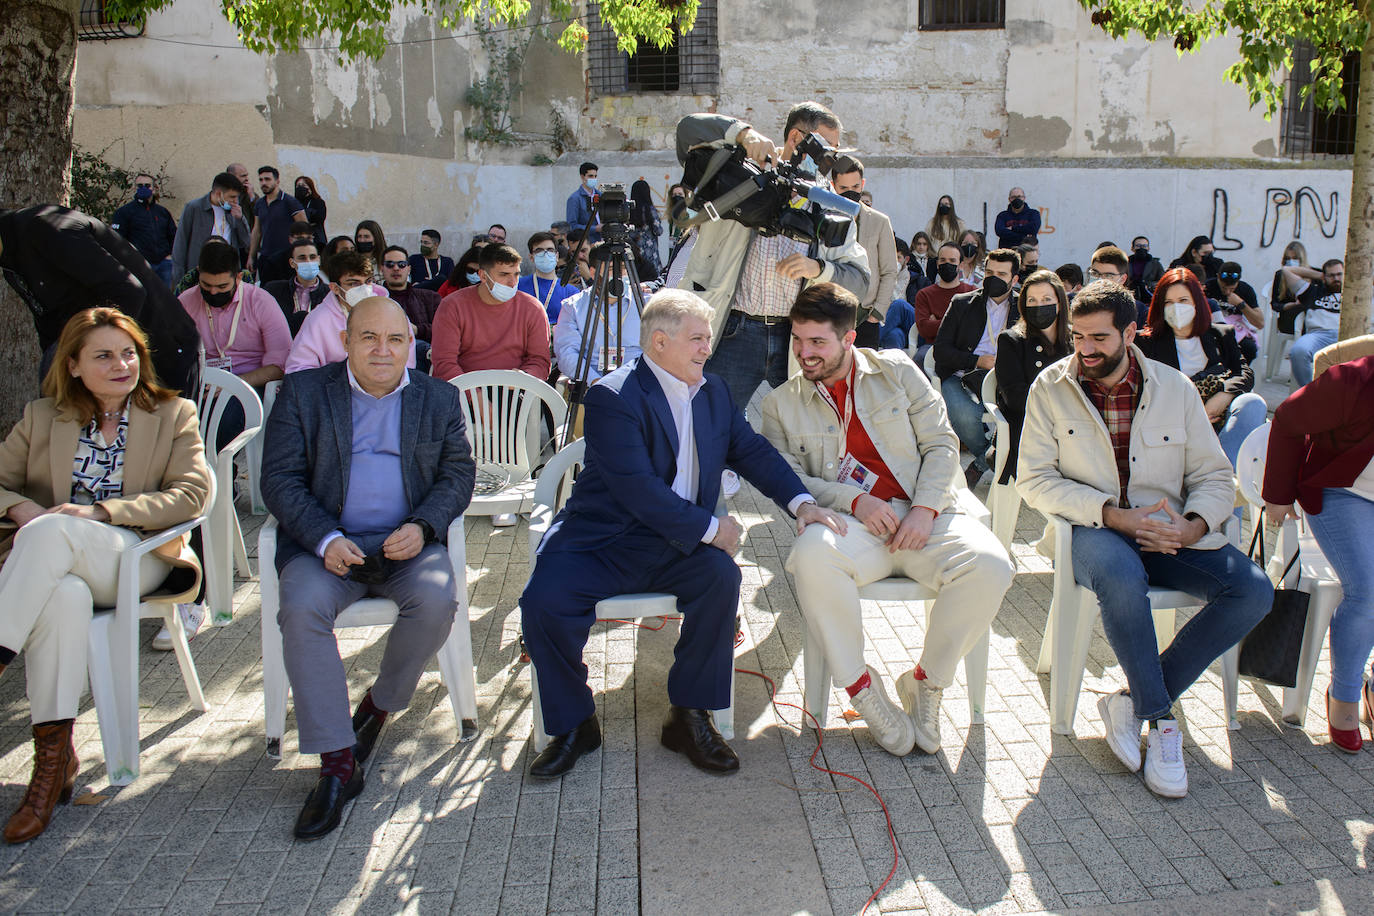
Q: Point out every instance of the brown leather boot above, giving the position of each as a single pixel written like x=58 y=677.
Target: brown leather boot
x=54 y=775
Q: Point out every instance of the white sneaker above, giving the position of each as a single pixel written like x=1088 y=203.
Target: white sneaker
x=192 y=616
x=889 y=726
x=1123 y=728
x=921 y=700
x=1165 y=773
x=504 y=520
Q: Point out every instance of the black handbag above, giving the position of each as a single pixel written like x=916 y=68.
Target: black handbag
x=1270 y=651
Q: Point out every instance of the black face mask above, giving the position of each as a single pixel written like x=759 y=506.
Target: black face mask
x=1040 y=316
x=852 y=195
x=947 y=272
x=302 y=192
x=995 y=286
x=968 y=249
x=218 y=300
x=364 y=247
x=1027 y=271
x=1018 y=204
x=943 y=209
x=1140 y=254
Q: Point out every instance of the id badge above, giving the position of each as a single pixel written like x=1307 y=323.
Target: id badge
x=855 y=474
x=219 y=362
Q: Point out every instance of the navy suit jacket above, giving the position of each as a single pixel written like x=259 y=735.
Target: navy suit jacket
x=309 y=448
x=625 y=488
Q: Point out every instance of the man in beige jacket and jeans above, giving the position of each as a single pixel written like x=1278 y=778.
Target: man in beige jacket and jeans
x=869 y=437
x=1120 y=446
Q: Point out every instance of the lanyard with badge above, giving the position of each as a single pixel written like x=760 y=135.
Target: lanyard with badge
x=852 y=471
x=223 y=361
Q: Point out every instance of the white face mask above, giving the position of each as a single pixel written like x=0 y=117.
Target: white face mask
x=1292 y=262
x=500 y=292
x=358 y=294
x=1179 y=315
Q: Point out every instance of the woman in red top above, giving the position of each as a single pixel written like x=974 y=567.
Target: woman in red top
x=1321 y=455
x=464 y=272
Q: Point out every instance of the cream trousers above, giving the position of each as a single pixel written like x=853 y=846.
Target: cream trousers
x=60 y=568
x=963 y=561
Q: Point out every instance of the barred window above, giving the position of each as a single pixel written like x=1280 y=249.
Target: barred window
x=1309 y=132
x=95 y=24
x=690 y=64
x=963 y=14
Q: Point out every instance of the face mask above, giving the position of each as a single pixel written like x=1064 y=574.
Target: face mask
x=1017 y=204
x=218 y=300
x=591 y=184
x=943 y=209
x=363 y=247
x=1140 y=254
x=226 y=206
x=302 y=192
x=1292 y=262
x=1179 y=315
x=473 y=278
x=852 y=195
x=545 y=261
x=501 y=292
x=1041 y=316
x=809 y=165
x=995 y=286
x=947 y=272
x=143 y=193
x=969 y=250
x=358 y=294
x=308 y=270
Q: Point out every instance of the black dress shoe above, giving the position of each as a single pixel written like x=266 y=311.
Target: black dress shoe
x=366 y=727
x=562 y=752
x=325 y=804
x=692 y=732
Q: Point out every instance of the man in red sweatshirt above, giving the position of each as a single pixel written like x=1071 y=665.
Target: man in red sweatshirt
x=491 y=325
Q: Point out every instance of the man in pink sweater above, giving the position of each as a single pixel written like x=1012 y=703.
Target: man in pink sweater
x=491 y=325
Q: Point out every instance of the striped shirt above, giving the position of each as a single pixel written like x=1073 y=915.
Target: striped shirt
x=1117 y=406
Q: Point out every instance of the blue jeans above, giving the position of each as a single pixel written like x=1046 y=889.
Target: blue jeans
x=966 y=416
x=163 y=269
x=750 y=352
x=1342 y=530
x=1248 y=413
x=1237 y=593
x=1304 y=350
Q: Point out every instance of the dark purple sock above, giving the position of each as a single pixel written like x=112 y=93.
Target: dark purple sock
x=337 y=763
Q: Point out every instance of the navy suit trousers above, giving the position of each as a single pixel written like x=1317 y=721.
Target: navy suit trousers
x=558 y=609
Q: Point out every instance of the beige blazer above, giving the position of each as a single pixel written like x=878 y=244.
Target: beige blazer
x=166 y=478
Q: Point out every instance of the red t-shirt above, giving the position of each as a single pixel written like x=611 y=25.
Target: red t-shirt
x=858 y=444
x=468 y=334
x=930 y=306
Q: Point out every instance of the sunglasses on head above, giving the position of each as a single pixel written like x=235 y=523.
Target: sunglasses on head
x=1229 y=276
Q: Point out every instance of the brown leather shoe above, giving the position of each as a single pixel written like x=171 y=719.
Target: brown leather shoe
x=692 y=732
x=54 y=775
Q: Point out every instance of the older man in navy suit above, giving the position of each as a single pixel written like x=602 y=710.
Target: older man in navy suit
x=641 y=519
x=364 y=467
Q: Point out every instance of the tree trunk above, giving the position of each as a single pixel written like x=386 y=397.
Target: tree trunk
x=1359 y=240
x=37 y=94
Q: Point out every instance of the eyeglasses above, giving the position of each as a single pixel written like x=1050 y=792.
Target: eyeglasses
x=1100 y=275
x=546 y=251
x=395 y=264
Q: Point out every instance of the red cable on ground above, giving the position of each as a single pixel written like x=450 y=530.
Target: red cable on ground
x=891 y=834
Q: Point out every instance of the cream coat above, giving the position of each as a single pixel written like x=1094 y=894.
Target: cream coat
x=903 y=415
x=1067 y=467
x=166 y=478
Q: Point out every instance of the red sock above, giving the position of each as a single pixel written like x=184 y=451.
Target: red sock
x=370 y=708
x=918 y=674
x=337 y=763
x=854 y=688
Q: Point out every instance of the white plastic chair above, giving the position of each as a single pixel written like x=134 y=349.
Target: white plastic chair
x=224 y=547
x=816 y=670
x=929 y=364
x=504 y=424
x=550 y=493
x=455 y=656
x=112 y=652
x=1003 y=498
x=1069 y=629
x=253 y=451
x=913 y=341
x=1312 y=573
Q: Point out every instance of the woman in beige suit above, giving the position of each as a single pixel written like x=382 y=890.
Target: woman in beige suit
x=108 y=456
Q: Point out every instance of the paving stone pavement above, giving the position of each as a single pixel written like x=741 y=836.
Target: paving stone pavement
x=1008 y=818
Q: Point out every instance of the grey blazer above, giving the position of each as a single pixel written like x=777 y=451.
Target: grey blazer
x=197 y=222
x=309 y=447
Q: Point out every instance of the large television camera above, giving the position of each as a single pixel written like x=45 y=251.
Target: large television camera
x=613 y=209
x=784 y=199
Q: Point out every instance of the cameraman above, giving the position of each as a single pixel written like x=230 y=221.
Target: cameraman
x=1239 y=307
x=752 y=280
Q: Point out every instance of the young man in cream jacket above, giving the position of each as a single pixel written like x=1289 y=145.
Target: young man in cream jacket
x=869 y=437
x=1120 y=446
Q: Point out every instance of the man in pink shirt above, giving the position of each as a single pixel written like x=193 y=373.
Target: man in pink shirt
x=491 y=325
x=319 y=341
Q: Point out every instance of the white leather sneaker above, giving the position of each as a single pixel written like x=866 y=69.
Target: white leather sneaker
x=1165 y=773
x=1123 y=728
x=889 y=726
x=192 y=616
x=921 y=700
